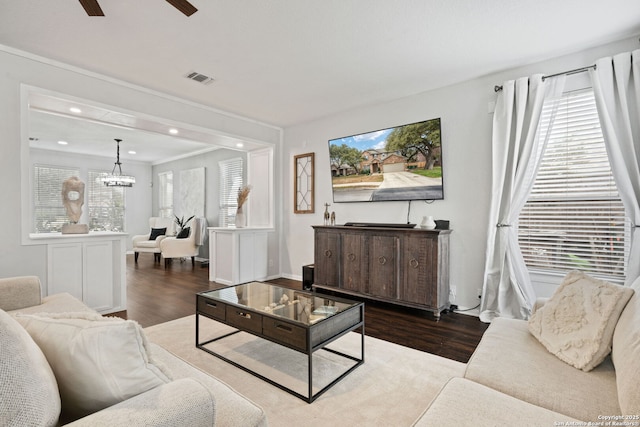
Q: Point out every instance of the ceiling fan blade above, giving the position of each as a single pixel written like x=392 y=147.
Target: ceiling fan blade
x=92 y=7
x=183 y=6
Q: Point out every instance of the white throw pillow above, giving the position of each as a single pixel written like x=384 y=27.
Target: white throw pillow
x=28 y=390
x=98 y=361
x=578 y=321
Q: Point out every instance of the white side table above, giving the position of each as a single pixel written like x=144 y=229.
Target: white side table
x=238 y=255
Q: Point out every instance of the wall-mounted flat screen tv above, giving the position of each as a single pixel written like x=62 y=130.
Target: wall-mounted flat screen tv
x=399 y=163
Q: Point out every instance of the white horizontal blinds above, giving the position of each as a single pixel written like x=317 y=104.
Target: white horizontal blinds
x=105 y=204
x=230 y=182
x=165 y=194
x=49 y=214
x=574 y=218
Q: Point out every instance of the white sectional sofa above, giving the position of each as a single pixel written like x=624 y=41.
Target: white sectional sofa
x=188 y=396
x=512 y=379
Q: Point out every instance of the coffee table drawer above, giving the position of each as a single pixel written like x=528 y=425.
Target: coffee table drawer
x=212 y=308
x=285 y=333
x=243 y=319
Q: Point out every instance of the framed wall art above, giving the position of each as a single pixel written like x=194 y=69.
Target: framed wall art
x=303 y=187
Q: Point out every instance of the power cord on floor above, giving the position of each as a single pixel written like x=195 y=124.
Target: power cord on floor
x=455 y=310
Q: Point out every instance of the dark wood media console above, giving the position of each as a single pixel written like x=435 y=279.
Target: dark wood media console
x=403 y=266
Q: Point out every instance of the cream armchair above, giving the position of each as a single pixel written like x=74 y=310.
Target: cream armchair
x=143 y=242
x=174 y=247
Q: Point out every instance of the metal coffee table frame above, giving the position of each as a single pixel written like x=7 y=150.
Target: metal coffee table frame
x=310 y=349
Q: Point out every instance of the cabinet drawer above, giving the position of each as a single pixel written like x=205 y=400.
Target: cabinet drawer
x=285 y=333
x=212 y=308
x=244 y=320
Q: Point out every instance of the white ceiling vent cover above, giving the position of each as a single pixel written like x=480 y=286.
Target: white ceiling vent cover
x=200 y=78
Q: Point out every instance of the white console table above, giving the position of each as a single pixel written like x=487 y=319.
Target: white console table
x=91 y=267
x=238 y=255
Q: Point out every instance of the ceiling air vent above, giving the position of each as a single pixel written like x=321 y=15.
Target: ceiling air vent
x=200 y=78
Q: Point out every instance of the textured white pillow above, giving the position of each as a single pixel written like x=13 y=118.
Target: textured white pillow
x=28 y=390
x=578 y=321
x=625 y=354
x=98 y=361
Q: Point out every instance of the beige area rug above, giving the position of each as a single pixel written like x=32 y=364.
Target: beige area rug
x=392 y=387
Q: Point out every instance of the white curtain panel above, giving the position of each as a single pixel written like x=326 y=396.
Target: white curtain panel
x=516 y=152
x=616 y=84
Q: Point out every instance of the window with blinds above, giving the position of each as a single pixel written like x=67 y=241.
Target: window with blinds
x=49 y=214
x=574 y=218
x=105 y=204
x=165 y=194
x=230 y=182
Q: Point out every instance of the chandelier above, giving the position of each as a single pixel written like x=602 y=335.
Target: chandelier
x=116 y=178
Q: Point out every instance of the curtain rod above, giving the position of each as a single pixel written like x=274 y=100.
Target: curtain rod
x=566 y=73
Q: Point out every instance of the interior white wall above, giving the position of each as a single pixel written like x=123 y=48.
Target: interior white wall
x=137 y=199
x=212 y=185
x=465 y=110
x=261 y=179
x=18 y=69
x=466 y=134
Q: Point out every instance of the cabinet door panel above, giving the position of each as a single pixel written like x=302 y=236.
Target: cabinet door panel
x=98 y=275
x=401 y=266
x=225 y=258
x=383 y=266
x=420 y=270
x=327 y=259
x=65 y=269
x=354 y=262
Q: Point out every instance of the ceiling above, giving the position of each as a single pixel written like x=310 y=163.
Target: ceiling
x=71 y=125
x=286 y=62
x=86 y=137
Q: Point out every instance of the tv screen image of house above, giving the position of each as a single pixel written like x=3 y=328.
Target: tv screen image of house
x=399 y=163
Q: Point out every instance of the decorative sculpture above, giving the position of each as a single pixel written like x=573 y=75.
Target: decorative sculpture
x=73 y=199
x=326 y=213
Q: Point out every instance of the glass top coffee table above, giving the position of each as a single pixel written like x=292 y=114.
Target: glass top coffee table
x=300 y=320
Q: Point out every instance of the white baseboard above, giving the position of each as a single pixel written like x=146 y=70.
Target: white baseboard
x=199 y=259
x=292 y=277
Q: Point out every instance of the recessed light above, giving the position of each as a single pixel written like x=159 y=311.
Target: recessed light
x=75 y=110
x=63 y=142
x=173 y=131
x=239 y=145
x=131 y=152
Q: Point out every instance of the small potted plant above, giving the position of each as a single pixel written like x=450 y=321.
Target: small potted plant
x=182 y=225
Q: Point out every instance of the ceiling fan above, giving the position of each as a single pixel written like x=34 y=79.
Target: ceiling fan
x=93 y=8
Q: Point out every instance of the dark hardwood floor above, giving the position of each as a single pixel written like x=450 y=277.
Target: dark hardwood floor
x=156 y=295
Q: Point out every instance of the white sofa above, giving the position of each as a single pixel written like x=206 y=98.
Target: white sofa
x=190 y=397
x=512 y=379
